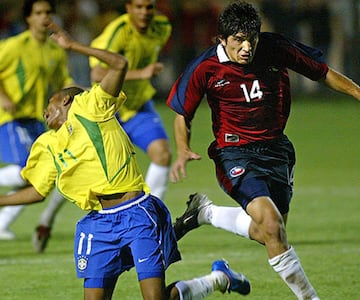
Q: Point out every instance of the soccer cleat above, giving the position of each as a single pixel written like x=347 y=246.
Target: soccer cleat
x=189 y=219
x=40 y=238
x=6 y=235
x=237 y=282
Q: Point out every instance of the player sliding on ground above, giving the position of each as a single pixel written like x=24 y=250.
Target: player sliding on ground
x=91 y=160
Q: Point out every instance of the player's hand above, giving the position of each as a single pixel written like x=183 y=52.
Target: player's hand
x=178 y=168
x=152 y=70
x=64 y=40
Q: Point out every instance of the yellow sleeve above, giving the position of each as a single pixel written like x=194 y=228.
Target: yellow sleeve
x=97 y=105
x=164 y=27
x=40 y=170
x=113 y=39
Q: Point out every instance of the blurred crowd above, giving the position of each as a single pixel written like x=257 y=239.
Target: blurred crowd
x=331 y=25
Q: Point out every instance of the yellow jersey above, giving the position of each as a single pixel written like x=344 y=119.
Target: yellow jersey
x=88 y=156
x=30 y=71
x=120 y=36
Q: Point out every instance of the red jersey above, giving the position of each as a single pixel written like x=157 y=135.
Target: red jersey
x=249 y=103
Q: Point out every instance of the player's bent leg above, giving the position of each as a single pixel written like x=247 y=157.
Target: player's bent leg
x=10 y=176
x=157 y=175
x=8 y=215
x=159 y=152
x=55 y=202
x=221 y=278
x=282 y=257
x=42 y=232
x=189 y=219
x=289 y=268
x=97 y=294
x=153 y=289
x=99 y=288
x=270 y=223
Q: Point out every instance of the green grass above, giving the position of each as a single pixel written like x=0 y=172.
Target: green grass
x=323 y=224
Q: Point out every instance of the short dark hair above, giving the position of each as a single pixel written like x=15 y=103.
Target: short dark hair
x=28 y=6
x=130 y=1
x=71 y=91
x=238 y=17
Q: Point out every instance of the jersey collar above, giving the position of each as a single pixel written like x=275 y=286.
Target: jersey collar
x=221 y=54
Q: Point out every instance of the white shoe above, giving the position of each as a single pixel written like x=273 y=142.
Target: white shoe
x=6 y=235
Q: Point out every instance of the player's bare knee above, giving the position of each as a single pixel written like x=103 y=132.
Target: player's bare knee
x=172 y=293
x=159 y=153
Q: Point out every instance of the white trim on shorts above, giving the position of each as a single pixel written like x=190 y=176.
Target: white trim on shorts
x=123 y=207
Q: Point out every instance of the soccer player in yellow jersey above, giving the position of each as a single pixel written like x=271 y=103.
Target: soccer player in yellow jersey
x=31 y=65
x=126 y=226
x=140 y=35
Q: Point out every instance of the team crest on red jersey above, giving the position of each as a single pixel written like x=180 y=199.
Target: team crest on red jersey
x=237 y=171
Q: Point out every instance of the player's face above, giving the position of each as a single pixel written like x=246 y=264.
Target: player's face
x=40 y=17
x=141 y=13
x=241 y=48
x=55 y=114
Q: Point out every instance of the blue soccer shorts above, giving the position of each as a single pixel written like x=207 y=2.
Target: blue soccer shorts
x=17 y=138
x=255 y=170
x=145 y=127
x=136 y=233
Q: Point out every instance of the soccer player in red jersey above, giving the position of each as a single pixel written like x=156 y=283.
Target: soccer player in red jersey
x=246 y=83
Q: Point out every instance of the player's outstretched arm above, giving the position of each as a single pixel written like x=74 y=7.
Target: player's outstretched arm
x=26 y=195
x=114 y=78
x=184 y=153
x=342 y=84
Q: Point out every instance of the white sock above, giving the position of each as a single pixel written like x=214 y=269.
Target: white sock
x=10 y=176
x=200 y=288
x=49 y=213
x=8 y=214
x=233 y=219
x=288 y=266
x=157 y=179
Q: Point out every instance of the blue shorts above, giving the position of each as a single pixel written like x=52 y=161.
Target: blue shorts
x=257 y=169
x=136 y=233
x=145 y=127
x=17 y=138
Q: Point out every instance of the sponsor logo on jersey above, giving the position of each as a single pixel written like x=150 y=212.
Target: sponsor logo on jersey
x=221 y=82
x=237 y=171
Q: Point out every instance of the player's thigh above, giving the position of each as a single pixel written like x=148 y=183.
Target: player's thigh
x=97 y=294
x=153 y=289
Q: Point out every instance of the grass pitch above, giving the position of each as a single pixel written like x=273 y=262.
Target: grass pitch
x=323 y=222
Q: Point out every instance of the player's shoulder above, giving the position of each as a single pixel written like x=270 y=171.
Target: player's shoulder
x=272 y=44
x=162 y=23
x=17 y=40
x=161 y=19
x=119 y=22
x=44 y=140
x=47 y=135
x=270 y=38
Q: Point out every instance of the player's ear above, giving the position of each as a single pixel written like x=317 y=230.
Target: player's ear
x=222 y=40
x=67 y=99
